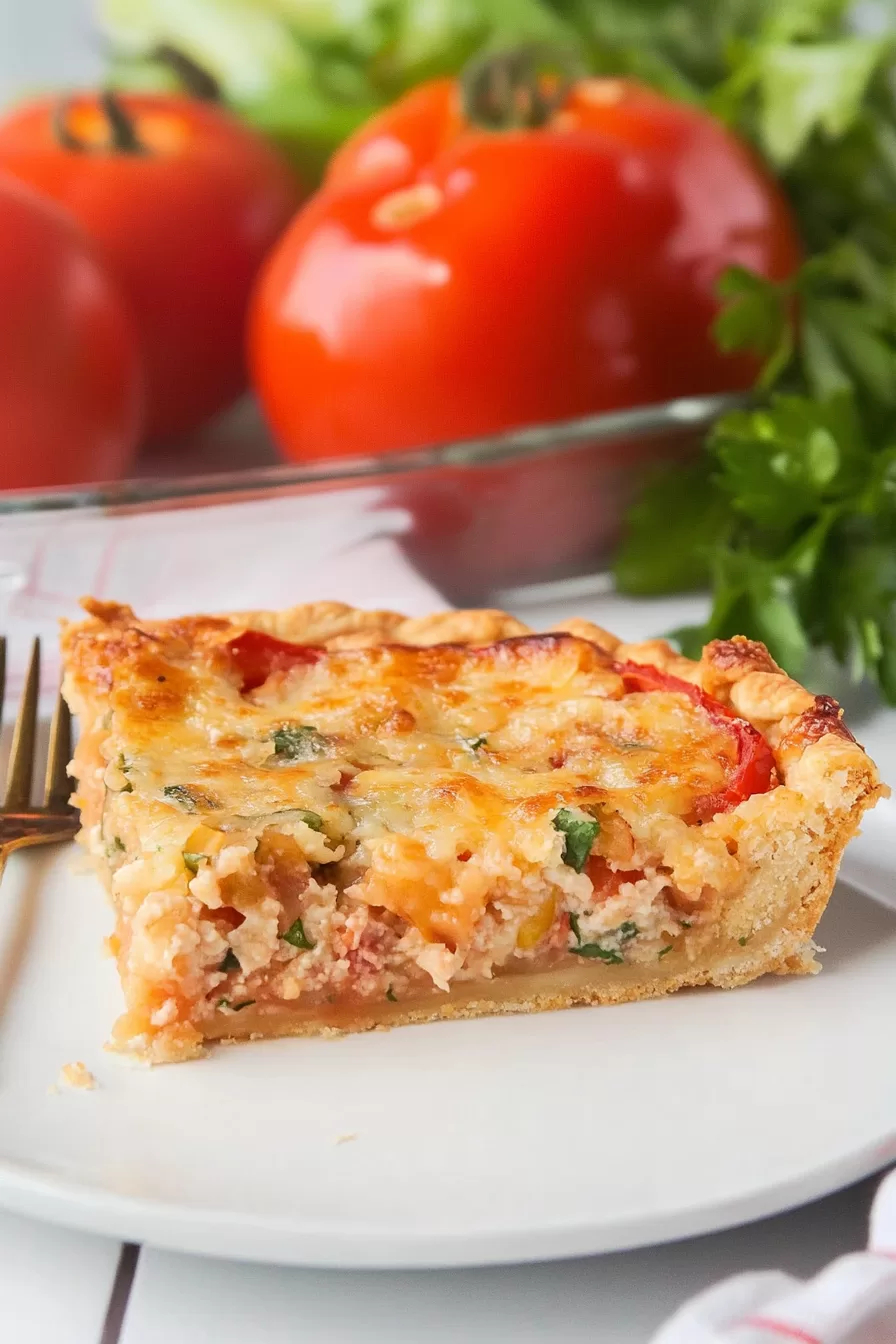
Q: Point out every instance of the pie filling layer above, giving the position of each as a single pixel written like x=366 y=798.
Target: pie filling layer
x=291 y=831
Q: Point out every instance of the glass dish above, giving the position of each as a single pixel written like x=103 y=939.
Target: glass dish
x=530 y=505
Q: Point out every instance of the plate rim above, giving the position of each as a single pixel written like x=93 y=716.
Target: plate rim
x=279 y=1241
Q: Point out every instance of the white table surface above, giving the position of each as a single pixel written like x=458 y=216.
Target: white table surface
x=55 y=1288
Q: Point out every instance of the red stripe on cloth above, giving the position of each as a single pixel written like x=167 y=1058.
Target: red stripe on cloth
x=782 y=1330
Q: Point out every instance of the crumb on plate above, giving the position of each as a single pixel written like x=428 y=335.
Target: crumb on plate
x=76 y=1076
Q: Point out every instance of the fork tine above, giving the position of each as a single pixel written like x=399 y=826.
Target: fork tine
x=58 y=786
x=21 y=756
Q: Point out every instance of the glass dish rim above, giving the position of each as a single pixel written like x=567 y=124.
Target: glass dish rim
x=517 y=444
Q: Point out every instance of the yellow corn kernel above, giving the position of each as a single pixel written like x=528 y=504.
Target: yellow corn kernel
x=204 y=840
x=533 y=929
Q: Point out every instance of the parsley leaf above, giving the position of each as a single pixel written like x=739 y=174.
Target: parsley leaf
x=596 y=950
x=298 y=742
x=788 y=514
x=313 y=819
x=610 y=948
x=189 y=798
x=580 y=832
x=574 y=925
x=192 y=861
x=664 y=951
x=297 y=936
x=474 y=743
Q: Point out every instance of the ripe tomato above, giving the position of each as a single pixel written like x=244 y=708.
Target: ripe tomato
x=449 y=281
x=70 y=375
x=182 y=202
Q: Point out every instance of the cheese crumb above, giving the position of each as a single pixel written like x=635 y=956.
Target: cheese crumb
x=76 y=1076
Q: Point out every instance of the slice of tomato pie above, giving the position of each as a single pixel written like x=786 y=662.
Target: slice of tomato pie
x=328 y=819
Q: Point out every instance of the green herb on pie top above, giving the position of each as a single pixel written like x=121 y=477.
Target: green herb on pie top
x=192 y=860
x=298 y=742
x=313 y=819
x=574 y=925
x=231 y=961
x=296 y=936
x=580 y=832
x=189 y=798
x=664 y=951
x=474 y=743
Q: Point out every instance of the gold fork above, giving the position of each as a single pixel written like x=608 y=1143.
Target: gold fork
x=22 y=824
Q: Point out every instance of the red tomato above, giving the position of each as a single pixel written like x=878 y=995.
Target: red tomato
x=256 y=655
x=182 y=202
x=70 y=376
x=450 y=281
x=755 y=769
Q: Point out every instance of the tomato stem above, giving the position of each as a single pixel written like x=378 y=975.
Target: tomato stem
x=520 y=88
x=62 y=133
x=123 y=138
x=121 y=126
x=198 y=82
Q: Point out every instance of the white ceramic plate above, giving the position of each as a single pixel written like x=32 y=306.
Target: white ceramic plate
x=472 y=1142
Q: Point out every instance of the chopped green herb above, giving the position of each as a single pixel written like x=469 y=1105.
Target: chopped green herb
x=574 y=925
x=193 y=860
x=298 y=742
x=743 y=941
x=127 y=787
x=114 y=846
x=231 y=961
x=580 y=832
x=313 y=820
x=189 y=798
x=595 y=951
x=664 y=951
x=235 y=1007
x=685 y=923
x=627 y=930
x=390 y=995
x=474 y=743
x=296 y=936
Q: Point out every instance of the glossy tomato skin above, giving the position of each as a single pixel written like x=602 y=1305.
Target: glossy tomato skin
x=182 y=227
x=449 y=282
x=71 y=389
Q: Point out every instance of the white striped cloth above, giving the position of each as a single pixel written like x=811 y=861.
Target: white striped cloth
x=852 y=1301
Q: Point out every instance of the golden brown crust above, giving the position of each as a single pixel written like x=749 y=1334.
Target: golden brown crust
x=785 y=845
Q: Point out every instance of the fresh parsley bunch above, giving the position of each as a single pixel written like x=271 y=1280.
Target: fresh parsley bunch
x=790 y=515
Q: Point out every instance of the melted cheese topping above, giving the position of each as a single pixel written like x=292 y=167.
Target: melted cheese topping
x=413 y=758
x=404 y=724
